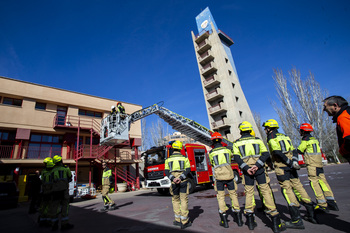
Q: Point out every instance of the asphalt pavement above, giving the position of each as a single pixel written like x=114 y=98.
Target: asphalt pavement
x=147 y=211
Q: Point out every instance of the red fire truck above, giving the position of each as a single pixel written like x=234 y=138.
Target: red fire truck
x=201 y=172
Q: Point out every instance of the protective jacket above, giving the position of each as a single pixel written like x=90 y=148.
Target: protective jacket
x=220 y=158
x=61 y=177
x=176 y=166
x=249 y=151
x=121 y=109
x=47 y=180
x=342 y=118
x=281 y=149
x=107 y=177
x=310 y=148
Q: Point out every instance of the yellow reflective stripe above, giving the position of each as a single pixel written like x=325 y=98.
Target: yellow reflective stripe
x=323 y=186
x=286 y=196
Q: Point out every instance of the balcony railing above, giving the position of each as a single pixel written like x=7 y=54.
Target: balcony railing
x=211 y=81
x=203 y=46
x=215 y=94
x=208 y=68
x=221 y=107
x=220 y=123
x=202 y=36
x=70 y=121
x=28 y=152
x=206 y=57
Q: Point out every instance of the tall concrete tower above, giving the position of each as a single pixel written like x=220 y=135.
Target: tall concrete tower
x=224 y=98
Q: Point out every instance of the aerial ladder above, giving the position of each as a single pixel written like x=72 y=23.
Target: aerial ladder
x=115 y=128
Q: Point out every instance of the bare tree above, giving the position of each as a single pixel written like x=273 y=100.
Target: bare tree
x=300 y=102
x=258 y=122
x=145 y=136
x=158 y=132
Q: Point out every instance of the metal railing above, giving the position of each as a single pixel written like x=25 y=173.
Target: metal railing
x=28 y=152
x=7 y=152
x=70 y=121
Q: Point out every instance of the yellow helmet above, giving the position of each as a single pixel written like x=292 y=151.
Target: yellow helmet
x=177 y=145
x=271 y=124
x=252 y=133
x=245 y=126
x=56 y=159
x=47 y=159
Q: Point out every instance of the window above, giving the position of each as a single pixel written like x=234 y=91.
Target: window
x=89 y=113
x=95 y=140
x=12 y=101
x=233 y=85
x=43 y=145
x=240 y=113
x=229 y=72
x=226 y=60
x=40 y=106
x=237 y=99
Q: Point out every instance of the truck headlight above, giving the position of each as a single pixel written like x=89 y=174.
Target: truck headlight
x=164 y=181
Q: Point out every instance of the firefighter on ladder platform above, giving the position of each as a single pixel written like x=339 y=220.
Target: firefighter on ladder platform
x=220 y=159
x=285 y=161
x=310 y=148
x=107 y=184
x=251 y=154
x=177 y=167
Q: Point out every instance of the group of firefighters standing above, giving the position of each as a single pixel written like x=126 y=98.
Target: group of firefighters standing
x=252 y=156
x=55 y=179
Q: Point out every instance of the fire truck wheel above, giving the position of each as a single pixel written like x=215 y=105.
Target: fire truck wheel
x=192 y=185
x=163 y=191
x=237 y=178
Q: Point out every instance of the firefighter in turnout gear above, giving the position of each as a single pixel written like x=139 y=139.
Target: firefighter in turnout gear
x=285 y=161
x=60 y=196
x=310 y=148
x=107 y=184
x=177 y=167
x=220 y=158
x=251 y=154
x=46 y=187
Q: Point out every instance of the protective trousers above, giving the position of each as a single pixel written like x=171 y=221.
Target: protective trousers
x=106 y=199
x=265 y=190
x=45 y=207
x=220 y=188
x=289 y=180
x=179 y=194
x=320 y=185
x=60 y=204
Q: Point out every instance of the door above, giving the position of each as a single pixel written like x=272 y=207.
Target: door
x=202 y=173
x=61 y=115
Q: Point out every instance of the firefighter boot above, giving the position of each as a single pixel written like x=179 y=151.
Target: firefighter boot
x=105 y=208
x=113 y=207
x=176 y=223
x=66 y=226
x=310 y=216
x=296 y=222
x=188 y=224
x=251 y=221
x=237 y=217
x=321 y=210
x=277 y=226
x=332 y=205
x=223 y=222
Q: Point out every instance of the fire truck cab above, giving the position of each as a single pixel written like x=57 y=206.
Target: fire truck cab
x=201 y=171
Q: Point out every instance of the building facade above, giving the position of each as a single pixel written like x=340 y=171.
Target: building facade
x=38 y=121
x=226 y=104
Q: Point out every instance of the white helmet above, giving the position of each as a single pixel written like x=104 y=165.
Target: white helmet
x=112 y=107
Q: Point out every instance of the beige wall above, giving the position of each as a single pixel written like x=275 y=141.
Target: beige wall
x=42 y=120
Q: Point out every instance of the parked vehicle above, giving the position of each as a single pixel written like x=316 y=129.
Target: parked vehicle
x=302 y=162
x=9 y=194
x=73 y=187
x=201 y=171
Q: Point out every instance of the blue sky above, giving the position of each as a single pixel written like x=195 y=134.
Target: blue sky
x=142 y=52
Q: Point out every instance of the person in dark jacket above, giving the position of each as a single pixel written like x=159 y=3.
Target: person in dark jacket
x=339 y=109
x=34 y=191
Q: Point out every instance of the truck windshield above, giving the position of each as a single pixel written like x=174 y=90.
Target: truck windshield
x=155 y=158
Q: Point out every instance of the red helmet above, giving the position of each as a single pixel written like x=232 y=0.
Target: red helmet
x=306 y=127
x=216 y=135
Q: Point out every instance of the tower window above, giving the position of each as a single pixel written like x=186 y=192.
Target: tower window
x=237 y=99
x=229 y=72
x=240 y=113
x=226 y=60
x=233 y=85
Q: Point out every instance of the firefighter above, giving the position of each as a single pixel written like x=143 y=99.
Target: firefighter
x=113 y=110
x=285 y=161
x=310 y=148
x=46 y=187
x=120 y=108
x=220 y=158
x=61 y=176
x=177 y=169
x=107 y=186
x=251 y=154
